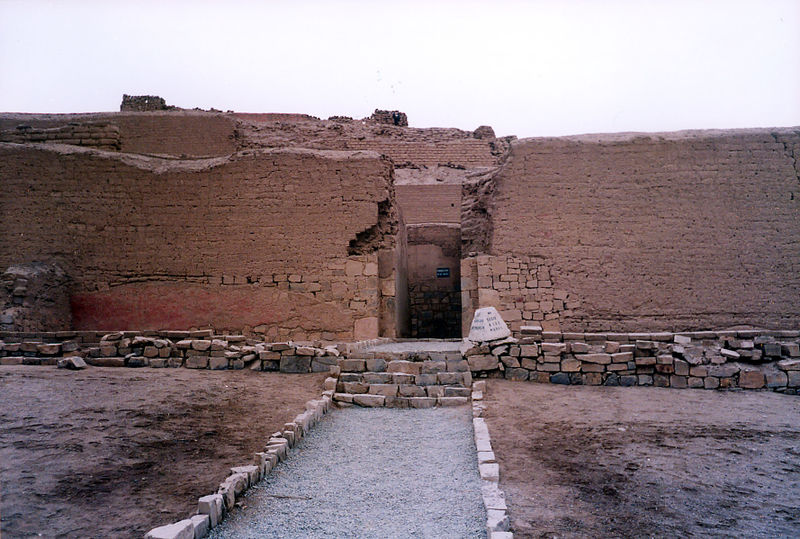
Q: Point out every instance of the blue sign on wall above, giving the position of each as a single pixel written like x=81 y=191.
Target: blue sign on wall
x=443 y=272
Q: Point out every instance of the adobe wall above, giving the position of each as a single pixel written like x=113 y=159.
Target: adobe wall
x=283 y=242
x=675 y=231
x=178 y=133
x=430 y=203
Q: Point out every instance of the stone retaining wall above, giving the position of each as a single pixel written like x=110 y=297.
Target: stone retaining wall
x=746 y=359
x=192 y=350
x=401 y=380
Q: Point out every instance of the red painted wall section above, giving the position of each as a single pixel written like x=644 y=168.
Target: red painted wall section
x=181 y=306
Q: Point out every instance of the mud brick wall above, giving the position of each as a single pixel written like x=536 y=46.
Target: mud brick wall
x=467 y=153
x=430 y=203
x=177 y=133
x=257 y=241
x=674 y=231
x=100 y=135
x=746 y=359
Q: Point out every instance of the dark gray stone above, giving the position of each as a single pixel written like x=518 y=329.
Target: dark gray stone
x=295 y=364
x=560 y=378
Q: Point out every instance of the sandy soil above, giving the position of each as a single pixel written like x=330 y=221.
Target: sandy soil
x=114 y=452
x=643 y=462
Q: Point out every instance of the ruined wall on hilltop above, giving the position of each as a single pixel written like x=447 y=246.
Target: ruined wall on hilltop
x=670 y=231
x=180 y=133
x=281 y=242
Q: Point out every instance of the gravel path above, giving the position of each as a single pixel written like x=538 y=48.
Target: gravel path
x=371 y=473
x=417 y=346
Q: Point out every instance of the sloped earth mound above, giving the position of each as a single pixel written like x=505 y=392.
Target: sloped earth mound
x=642 y=462
x=114 y=452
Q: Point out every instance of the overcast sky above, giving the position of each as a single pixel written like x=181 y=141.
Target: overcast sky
x=548 y=67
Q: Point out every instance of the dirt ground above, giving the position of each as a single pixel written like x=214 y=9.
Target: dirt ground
x=114 y=452
x=646 y=462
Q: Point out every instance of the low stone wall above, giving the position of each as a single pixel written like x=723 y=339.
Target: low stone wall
x=192 y=350
x=401 y=380
x=746 y=359
x=101 y=135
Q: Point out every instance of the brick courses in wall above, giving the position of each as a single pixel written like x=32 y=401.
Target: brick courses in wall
x=258 y=240
x=174 y=133
x=669 y=231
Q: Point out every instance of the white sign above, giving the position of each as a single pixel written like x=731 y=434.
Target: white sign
x=487 y=325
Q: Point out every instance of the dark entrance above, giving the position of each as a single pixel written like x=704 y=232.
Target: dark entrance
x=434 y=280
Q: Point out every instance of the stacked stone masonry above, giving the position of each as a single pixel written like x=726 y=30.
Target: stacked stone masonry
x=520 y=288
x=200 y=349
x=745 y=359
x=401 y=380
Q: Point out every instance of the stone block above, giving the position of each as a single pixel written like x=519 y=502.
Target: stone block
x=404 y=367
x=772 y=349
x=218 y=363
x=751 y=379
x=377 y=377
x=793 y=378
x=725 y=370
x=496 y=521
x=554 y=347
x=196 y=362
x=343 y=397
x=790 y=349
x=433 y=367
x=211 y=506
x=422 y=402
x=375 y=365
x=305 y=351
x=295 y=364
x=402 y=378
x=352 y=365
x=201 y=345
x=183 y=529
x=434 y=391
x=201 y=524
x=644 y=379
x=776 y=379
x=579 y=347
x=426 y=379
x=645 y=361
x=516 y=374
x=592 y=367
x=450 y=391
x=549 y=366
x=159 y=363
x=355 y=387
x=485 y=362
x=411 y=390
x=509 y=361
x=600 y=358
x=71 y=363
x=710 y=382
x=681 y=367
x=789 y=365
x=627 y=381
x=457 y=365
x=251 y=472
x=387 y=390
x=322 y=364
x=729 y=354
x=370 y=401
x=49 y=349
x=489 y=471
x=560 y=378
x=679 y=382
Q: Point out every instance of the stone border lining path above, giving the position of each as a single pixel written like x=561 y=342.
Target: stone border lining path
x=212 y=509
